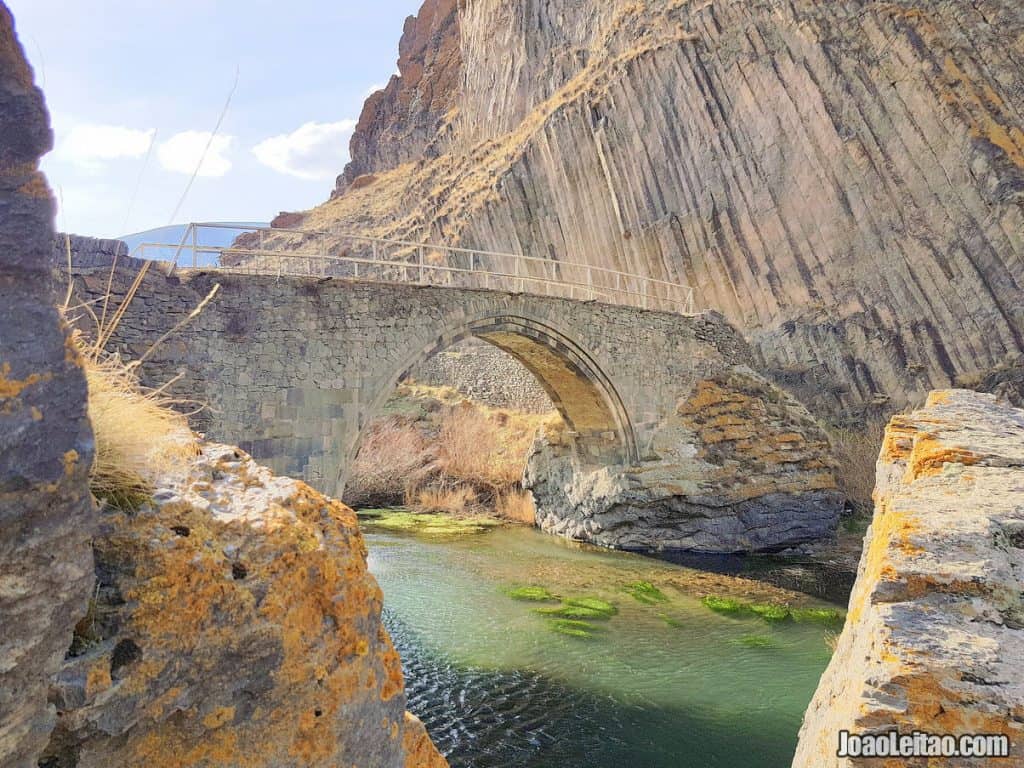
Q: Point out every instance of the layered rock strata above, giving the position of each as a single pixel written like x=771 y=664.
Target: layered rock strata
x=739 y=466
x=934 y=639
x=234 y=624
x=46 y=513
x=843 y=180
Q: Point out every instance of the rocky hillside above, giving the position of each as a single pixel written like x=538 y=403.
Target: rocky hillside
x=934 y=640
x=845 y=180
x=404 y=120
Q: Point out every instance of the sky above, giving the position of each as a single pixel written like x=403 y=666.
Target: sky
x=135 y=89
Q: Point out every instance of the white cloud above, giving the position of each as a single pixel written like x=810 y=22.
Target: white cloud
x=313 y=151
x=90 y=145
x=182 y=151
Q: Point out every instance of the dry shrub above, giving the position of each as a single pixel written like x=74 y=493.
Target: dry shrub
x=487 y=448
x=393 y=451
x=517 y=506
x=457 y=500
x=466 y=442
x=857 y=452
x=139 y=436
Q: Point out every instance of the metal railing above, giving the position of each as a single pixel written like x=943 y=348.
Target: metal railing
x=314 y=253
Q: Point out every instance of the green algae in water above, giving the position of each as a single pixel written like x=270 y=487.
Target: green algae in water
x=574 y=628
x=448 y=599
x=532 y=594
x=674 y=623
x=581 y=608
x=646 y=593
x=771 y=612
x=427 y=523
x=819 y=615
x=725 y=605
x=593 y=604
x=756 y=641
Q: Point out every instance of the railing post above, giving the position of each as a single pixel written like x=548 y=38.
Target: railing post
x=195 y=245
x=590 y=281
x=644 y=293
x=420 y=258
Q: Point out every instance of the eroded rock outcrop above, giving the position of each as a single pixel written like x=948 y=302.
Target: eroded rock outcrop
x=740 y=466
x=934 y=639
x=234 y=624
x=843 y=180
x=46 y=514
x=409 y=118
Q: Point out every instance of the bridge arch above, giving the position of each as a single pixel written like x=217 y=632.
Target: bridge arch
x=581 y=392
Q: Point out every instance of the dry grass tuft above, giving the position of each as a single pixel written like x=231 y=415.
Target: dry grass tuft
x=517 y=505
x=393 y=450
x=139 y=436
x=458 y=500
x=466 y=442
x=857 y=452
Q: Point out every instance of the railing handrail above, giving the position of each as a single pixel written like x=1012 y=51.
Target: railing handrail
x=438 y=247
x=622 y=279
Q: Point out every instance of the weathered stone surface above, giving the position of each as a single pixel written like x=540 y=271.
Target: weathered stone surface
x=234 y=624
x=485 y=375
x=843 y=180
x=739 y=466
x=934 y=639
x=46 y=515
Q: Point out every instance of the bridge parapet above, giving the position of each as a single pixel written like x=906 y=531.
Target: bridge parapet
x=329 y=253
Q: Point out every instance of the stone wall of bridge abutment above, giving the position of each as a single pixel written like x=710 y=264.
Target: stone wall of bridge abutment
x=291 y=369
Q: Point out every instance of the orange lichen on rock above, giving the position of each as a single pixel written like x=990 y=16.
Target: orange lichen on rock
x=420 y=751
x=249 y=633
x=11 y=388
x=933 y=640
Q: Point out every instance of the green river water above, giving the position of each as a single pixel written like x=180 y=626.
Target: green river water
x=664 y=684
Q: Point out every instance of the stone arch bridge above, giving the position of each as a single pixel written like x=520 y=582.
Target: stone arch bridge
x=292 y=368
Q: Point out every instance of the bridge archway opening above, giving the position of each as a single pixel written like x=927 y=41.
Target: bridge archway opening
x=584 y=396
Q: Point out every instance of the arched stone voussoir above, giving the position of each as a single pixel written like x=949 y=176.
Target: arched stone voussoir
x=584 y=395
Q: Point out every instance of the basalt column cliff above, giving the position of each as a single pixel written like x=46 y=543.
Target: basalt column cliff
x=844 y=180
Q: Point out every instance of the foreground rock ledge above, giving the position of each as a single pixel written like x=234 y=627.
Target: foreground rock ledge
x=234 y=624
x=935 y=635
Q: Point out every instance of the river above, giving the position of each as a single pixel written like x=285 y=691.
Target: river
x=666 y=682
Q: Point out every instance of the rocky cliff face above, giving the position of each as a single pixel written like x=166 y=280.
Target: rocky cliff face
x=739 y=467
x=934 y=639
x=46 y=513
x=234 y=624
x=408 y=119
x=843 y=180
